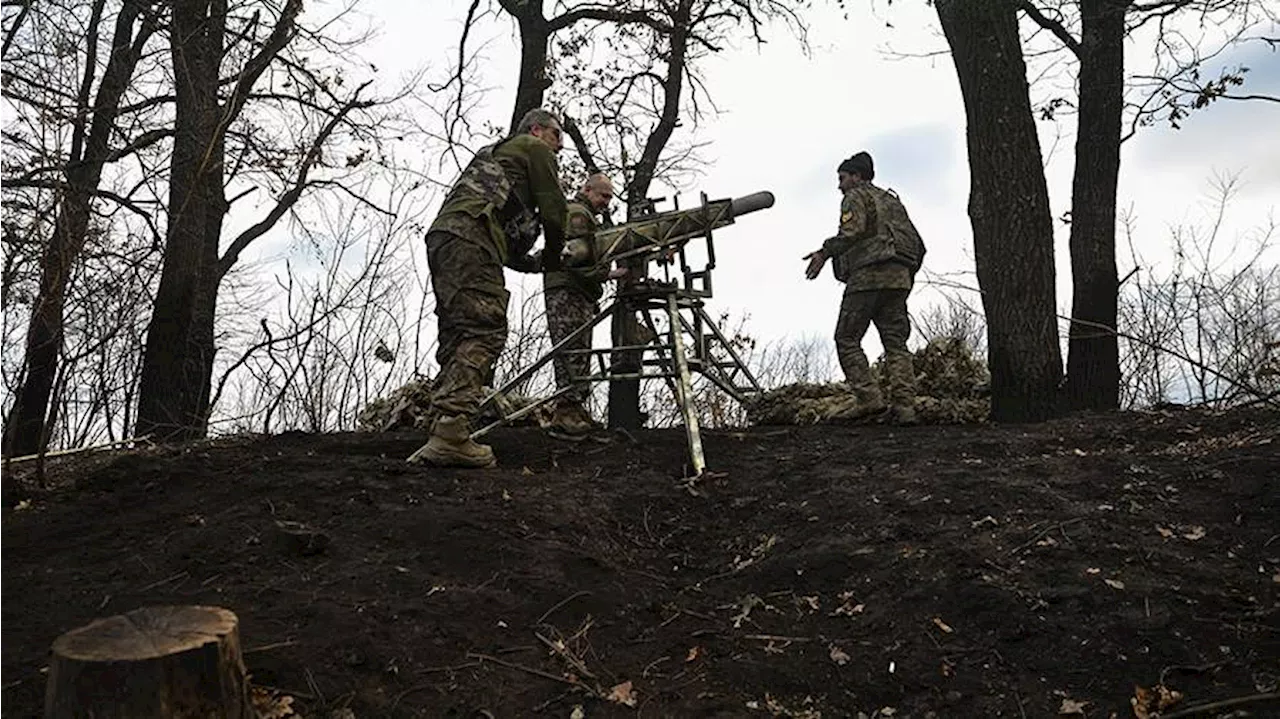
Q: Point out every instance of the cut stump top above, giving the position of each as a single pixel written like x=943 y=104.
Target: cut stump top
x=146 y=633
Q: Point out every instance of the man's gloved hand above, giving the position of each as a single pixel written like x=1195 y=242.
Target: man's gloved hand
x=552 y=262
x=816 y=261
x=531 y=263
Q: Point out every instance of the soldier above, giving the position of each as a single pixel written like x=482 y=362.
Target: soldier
x=490 y=218
x=571 y=297
x=876 y=254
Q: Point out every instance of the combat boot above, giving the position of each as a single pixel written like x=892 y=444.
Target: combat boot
x=570 y=422
x=451 y=446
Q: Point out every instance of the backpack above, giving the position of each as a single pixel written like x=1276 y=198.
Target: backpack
x=908 y=246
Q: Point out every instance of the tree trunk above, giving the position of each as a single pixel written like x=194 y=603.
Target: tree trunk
x=161 y=662
x=1093 y=359
x=535 y=34
x=1008 y=208
x=177 y=365
x=624 y=395
x=26 y=431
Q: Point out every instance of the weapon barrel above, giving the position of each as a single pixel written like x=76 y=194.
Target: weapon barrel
x=762 y=200
x=663 y=230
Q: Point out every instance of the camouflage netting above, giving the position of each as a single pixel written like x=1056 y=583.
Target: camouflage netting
x=952 y=388
x=409 y=407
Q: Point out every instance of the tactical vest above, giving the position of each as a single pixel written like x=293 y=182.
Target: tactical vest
x=895 y=237
x=484 y=178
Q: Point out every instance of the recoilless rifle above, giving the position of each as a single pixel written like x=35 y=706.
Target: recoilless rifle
x=691 y=341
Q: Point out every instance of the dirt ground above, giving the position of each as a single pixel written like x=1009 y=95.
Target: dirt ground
x=962 y=571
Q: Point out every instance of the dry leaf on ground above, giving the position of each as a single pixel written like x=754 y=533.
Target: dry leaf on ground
x=1149 y=703
x=268 y=704
x=839 y=656
x=942 y=625
x=1071 y=707
x=694 y=652
x=1114 y=583
x=622 y=694
x=1196 y=532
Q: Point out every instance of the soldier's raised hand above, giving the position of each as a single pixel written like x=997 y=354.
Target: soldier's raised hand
x=817 y=260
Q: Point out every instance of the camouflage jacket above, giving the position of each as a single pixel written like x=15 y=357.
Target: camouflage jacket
x=511 y=203
x=587 y=281
x=877 y=246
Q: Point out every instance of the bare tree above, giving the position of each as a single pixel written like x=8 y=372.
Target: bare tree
x=1093 y=363
x=1009 y=208
x=74 y=180
x=1202 y=328
x=178 y=362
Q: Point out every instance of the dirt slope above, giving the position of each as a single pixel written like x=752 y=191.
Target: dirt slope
x=979 y=571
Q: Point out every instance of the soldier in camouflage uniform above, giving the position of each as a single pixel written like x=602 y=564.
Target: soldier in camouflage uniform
x=490 y=218
x=876 y=254
x=571 y=297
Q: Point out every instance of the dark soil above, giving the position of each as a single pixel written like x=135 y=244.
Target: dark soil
x=979 y=571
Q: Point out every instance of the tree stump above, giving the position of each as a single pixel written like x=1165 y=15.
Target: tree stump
x=172 y=662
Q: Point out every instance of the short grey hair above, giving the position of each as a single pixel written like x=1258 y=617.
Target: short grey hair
x=536 y=116
x=597 y=179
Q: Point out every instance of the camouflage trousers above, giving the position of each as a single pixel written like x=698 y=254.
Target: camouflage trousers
x=567 y=310
x=471 y=320
x=887 y=309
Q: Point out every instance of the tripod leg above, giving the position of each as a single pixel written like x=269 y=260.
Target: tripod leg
x=685 y=383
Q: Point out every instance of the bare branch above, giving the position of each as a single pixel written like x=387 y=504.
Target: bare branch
x=300 y=184
x=1053 y=26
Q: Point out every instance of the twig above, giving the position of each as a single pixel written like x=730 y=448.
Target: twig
x=559 y=604
x=574 y=662
x=1196 y=669
x=531 y=670
x=174 y=578
x=1042 y=533
x=75 y=450
x=269 y=647
x=426 y=685
x=1224 y=704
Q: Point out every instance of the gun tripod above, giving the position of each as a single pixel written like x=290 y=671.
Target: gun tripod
x=690 y=343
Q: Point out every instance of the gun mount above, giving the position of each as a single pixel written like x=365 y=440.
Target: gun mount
x=683 y=340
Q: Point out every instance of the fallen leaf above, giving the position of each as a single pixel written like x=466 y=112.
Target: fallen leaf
x=1071 y=706
x=985 y=520
x=1079 y=452
x=577 y=712
x=525 y=471
x=1047 y=542
x=942 y=625
x=1196 y=532
x=1092 y=570
x=622 y=694
x=506 y=496
x=1166 y=533
x=1114 y=583
x=1149 y=703
x=269 y=704
x=24 y=504
x=839 y=656
x=693 y=653
x=948 y=669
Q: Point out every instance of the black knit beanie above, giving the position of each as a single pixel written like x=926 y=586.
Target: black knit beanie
x=859 y=164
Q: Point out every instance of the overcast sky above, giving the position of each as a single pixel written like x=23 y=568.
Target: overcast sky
x=788 y=119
